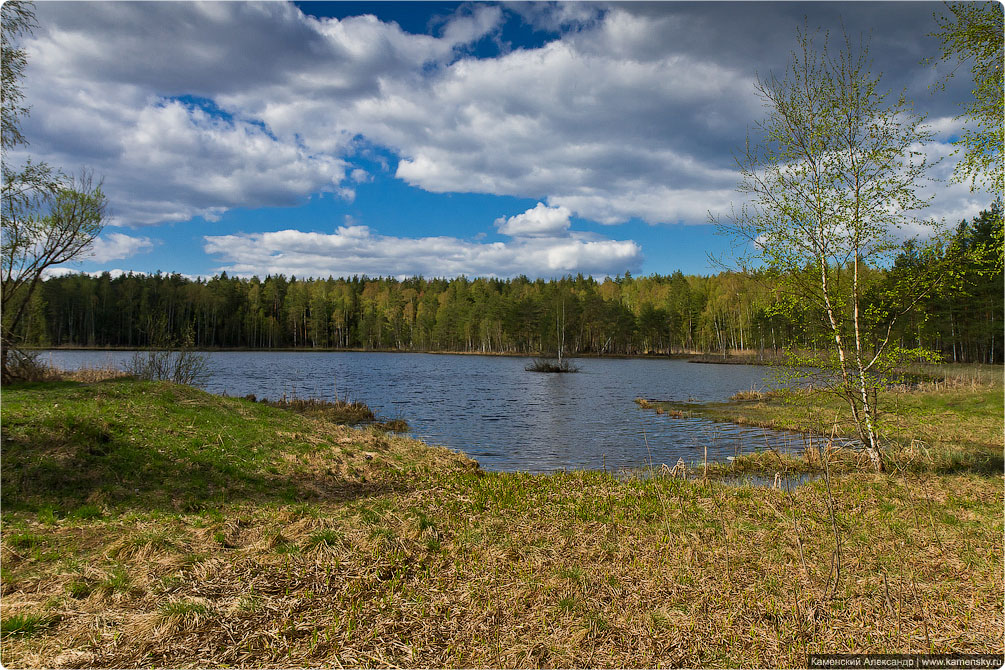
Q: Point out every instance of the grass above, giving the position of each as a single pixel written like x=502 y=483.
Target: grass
x=947 y=425
x=340 y=410
x=25 y=624
x=351 y=547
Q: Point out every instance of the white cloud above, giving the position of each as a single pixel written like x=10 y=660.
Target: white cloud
x=352 y=250
x=163 y=160
x=598 y=134
x=950 y=201
x=105 y=81
x=539 y=221
x=583 y=121
x=556 y=16
x=116 y=246
x=634 y=110
x=467 y=28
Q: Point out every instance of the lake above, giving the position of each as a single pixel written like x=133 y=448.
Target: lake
x=503 y=416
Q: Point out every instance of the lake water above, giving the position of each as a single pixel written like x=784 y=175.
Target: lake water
x=503 y=416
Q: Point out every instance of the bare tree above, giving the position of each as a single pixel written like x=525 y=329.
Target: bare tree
x=832 y=179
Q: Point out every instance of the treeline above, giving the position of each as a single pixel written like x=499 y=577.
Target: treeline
x=625 y=315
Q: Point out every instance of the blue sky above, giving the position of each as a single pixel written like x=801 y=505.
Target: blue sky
x=402 y=138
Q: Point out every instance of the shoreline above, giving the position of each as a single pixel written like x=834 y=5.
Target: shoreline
x=691 y=357
x=190 y=519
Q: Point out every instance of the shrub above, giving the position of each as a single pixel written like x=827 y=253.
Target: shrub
x=181 y=367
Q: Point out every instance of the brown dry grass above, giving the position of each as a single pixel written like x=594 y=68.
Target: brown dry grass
x=401 y=555
x=519 y=571
x=89 y=374
x=31 y=368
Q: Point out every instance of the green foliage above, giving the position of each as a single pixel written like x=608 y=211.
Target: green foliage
x=834 y=176
x=668 y=315
x=47 y=218
x=962 y=317
x=972 y=33
x=18 y=19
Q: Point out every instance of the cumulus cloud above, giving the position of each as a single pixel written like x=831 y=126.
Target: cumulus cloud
x=950 y=201
x=127 y=111
x=107 y=247
x=558 y=16
x=632 y=110
x=355 y=249
x=539 y=221
x=467 y=28
x=164 y=160
x=116 y=246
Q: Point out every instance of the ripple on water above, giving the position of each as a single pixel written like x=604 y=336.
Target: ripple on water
x=508 y=418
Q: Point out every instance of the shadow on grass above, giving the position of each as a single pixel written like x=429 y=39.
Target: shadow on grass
x=972 y=458
x=119 y=477
x=161 y=448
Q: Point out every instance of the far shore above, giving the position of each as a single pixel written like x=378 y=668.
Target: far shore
x=745 y=357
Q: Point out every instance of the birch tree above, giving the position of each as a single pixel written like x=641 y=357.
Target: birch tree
x=973 y=34
x=47 y=218
x=833 y=176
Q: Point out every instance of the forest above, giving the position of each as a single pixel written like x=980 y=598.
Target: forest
x=961 y=318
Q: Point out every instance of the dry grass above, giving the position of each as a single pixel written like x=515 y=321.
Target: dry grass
x=340 y=411
x=752 y=394
x=664 y=408
x=394 y=553
x=518 y=571
x=29 y=367
x=88 y=374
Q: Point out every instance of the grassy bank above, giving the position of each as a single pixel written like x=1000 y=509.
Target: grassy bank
x=150 y=524
x=952 y=424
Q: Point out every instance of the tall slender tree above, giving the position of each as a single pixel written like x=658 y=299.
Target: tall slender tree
x=833 y=176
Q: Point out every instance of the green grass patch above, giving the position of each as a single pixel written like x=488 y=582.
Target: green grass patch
x=79 y=588
x=325 y=538
x=182 y=608
x=939 y=429
x=26 y=624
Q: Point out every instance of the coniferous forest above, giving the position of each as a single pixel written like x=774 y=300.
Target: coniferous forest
x=730 y=311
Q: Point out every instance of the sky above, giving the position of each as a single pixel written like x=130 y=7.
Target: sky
x=436 y=139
